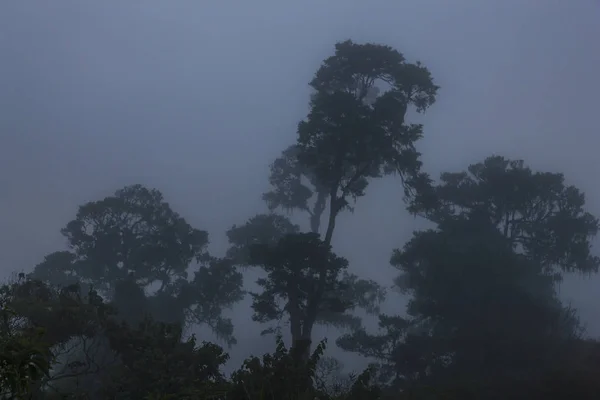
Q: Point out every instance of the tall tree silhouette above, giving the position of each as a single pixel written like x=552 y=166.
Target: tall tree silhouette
x=355 y=131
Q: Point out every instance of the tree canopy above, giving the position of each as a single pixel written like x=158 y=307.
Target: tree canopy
x=355 y=130
x=541 y=216
x=483 y=300
x=126 y=244
x=115 y=315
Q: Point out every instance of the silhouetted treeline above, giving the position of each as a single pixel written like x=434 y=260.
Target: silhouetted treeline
x=105 y=318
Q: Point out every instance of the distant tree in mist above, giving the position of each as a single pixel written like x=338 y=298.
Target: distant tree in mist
x=129 y=243
x=105 y=319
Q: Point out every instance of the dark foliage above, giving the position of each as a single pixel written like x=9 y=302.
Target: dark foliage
x=106 y=319
x=128 y=243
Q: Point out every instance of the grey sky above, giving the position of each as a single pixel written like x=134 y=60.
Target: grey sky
x=196 y=98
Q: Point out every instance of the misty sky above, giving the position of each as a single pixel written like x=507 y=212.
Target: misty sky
x=196 y=98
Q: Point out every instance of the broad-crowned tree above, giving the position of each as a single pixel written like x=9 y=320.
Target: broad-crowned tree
x=543 y=218
x=130 y=242
x=482 y=284
x=476 y=308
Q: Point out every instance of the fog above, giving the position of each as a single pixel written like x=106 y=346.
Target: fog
x=197 y=98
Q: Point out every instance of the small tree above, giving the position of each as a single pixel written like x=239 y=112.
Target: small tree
x=25 y=359
x=157 y=362
x=65 y=323
x=285 y=375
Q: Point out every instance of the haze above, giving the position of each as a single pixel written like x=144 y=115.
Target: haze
x=197 y=98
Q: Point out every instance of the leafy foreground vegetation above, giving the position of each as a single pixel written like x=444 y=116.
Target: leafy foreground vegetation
x=106 y=318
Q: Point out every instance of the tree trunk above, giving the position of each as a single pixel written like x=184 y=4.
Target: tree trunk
x=302 y=336
x=333 y=212
x=302 y=340
x=317 y=212
x=306 y=340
